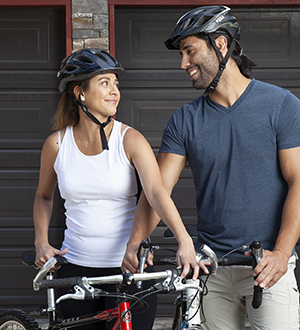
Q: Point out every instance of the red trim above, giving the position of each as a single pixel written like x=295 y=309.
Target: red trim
x=112 y=36
x=48 y=3
x=239 y=3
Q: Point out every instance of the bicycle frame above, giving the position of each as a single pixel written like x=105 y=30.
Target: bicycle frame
x=122 y=315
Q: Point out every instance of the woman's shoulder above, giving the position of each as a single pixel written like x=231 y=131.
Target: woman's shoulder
x=54 y=140
x=130 y=133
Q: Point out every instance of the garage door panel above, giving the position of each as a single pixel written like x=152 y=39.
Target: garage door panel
x=145 y=32
x=34 y=33
x=26 y=115
x=269 y=37
x=33 y=79
x=34 y=41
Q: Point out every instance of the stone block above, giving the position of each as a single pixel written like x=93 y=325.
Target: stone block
x=90 y=6
x=82 y=23
x=78 y=44
x=83 y=34
x=96 y=43
x=100 y=22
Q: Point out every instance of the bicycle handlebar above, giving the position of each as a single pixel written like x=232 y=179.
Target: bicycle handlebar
x=170 y=276
x=126 y=278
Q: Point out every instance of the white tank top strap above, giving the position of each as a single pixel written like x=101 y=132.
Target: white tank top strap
x=59 y=138
x=125 y=130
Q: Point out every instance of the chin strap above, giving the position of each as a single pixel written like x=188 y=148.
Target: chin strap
x=222 y=65
x=95 y=120
x=102 y=125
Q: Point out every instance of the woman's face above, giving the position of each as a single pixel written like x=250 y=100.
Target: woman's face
x=102 y=96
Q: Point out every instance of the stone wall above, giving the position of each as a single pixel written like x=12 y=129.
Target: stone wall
x=90 y=24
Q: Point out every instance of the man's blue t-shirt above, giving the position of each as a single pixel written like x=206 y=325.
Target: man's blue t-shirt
x=233 y=155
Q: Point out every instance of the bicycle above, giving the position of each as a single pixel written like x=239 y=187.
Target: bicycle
x=189 y=304
x=20 y=320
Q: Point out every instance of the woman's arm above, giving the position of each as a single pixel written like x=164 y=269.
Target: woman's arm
x=141 y=155
x=43 y=202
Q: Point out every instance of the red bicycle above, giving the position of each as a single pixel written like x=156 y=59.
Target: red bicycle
x=83 y=289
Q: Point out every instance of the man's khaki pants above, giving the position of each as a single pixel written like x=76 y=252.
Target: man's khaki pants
x=229 y=300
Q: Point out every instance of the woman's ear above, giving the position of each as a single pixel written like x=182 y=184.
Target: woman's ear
x=76 y=92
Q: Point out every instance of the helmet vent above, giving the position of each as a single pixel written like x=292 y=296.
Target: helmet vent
x=191 y=21
x=70 y=68
x=81 y=58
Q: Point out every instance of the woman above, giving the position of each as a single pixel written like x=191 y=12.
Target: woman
x=96 y=177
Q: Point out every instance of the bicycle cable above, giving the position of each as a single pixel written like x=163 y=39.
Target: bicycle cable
x=141 y=299
x=243 y=247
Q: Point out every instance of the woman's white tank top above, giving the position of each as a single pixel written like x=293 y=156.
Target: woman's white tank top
x=100 y=199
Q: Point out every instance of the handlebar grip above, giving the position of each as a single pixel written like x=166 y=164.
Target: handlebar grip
x=143 y=253
x=257 y=296
x=257 y=253
x=69 y=282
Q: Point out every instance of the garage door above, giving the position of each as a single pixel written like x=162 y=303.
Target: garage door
x=32 y=46
x=154 y=86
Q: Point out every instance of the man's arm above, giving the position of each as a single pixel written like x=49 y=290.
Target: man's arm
x=273 y=265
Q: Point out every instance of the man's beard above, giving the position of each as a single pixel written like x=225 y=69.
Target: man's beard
x=208 y=70
x=206 y=77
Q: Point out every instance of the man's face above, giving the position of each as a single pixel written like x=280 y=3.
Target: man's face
x=199 y=61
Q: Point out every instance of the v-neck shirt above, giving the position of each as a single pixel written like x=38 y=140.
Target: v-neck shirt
x=233 y=155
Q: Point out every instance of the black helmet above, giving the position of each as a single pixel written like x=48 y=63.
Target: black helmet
x=209 y=19
x=86 y=63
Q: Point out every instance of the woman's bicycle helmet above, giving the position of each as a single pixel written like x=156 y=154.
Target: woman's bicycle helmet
x=209 y=20
x=86 y=63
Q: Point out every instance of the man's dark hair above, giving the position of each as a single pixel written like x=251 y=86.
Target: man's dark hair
x=243 y=62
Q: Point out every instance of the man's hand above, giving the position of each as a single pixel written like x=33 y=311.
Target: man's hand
x=272 y=266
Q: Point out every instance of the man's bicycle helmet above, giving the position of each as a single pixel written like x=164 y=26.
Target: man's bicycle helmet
x=210 y=20
x=86 y=63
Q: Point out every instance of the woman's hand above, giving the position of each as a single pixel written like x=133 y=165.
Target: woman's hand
x=44 y=253
x=186 y=259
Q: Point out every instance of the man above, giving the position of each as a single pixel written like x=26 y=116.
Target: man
x=242 y=141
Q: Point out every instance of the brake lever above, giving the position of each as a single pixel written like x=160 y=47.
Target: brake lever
x=81 y=293
x=78 y=295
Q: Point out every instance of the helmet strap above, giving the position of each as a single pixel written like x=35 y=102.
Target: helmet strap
x=102 y=125
x=94 y=119
x=222 y=65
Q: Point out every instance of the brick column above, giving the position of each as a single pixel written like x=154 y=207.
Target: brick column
x=90 y=24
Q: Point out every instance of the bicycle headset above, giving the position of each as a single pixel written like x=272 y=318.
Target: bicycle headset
x=212 y=21
x=84 y=64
